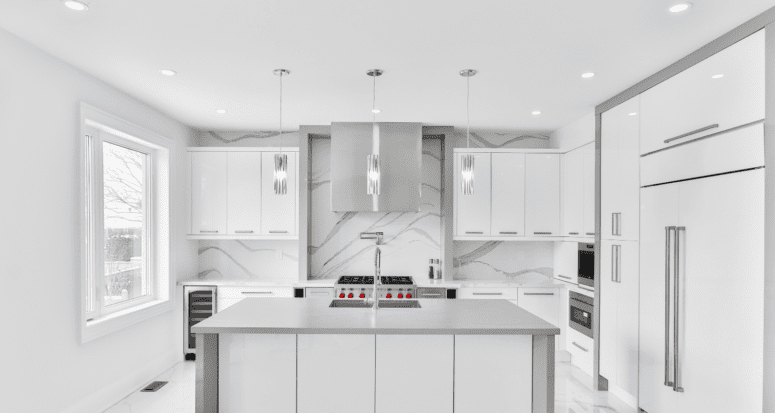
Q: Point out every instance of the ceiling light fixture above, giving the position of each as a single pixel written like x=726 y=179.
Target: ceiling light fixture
x=587 y=75
x=680 y=7
x=280 y=159
x=373 y=176
x=76 y=5
x=467 y=160
x=221 y=111
x=167 y=72
x=719 y=76
x=535 y=112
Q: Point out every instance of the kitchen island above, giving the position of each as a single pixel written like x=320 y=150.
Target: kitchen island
x=300 y=355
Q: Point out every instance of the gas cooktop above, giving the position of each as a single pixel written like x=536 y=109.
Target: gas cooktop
x=369 y=280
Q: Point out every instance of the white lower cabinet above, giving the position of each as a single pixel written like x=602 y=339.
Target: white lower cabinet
x=580 y=348
x=336 y=373
x=257 y=370
x=489 y=374
x=319 y=292
x=228 y=296
x=544 y=303
x=488 y=293
x=402 y=386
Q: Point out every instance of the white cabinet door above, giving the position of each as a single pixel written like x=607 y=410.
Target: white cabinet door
x=580 y=348
x=573 y=191
x=491 y=373
x=208 y=193
x=542 y=195
x=508 y=194
x=693 y=100
x=488 y=293
x=589 y=155
x=278 y=212
x=620 y=172
x=329 y=363
x=472 y=212
x=244 y=193
x=627 y=319
x=414 y=373
x=566 y=261
x=257 y=372
x=544 y=303
x=609 y=308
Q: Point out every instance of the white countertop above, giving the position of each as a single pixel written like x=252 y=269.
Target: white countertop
x=284 y=282
x=314 y=316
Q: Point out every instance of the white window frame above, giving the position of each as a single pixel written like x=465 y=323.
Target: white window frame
x=97 y=320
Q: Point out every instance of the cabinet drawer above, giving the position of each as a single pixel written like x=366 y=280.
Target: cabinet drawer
x=251 y=292
x=431 y=292
x=313 y=292
x=543 y=302
x=580 y=347
x=484 y=293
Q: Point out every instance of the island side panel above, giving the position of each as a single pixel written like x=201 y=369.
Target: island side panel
x=543 y=374
x=206 y=373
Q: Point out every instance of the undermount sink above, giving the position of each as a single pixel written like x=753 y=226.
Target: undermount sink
x=382 y=304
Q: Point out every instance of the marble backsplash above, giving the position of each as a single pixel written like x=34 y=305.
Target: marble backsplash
x=410 y=239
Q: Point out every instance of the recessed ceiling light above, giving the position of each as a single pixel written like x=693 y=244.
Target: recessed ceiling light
x=536 y=112
x=76 y=5
x=221 y=111
x=167 y=72
x=680 y=7
x=633 y=113
x=719 y=76
x=587 y=75
x=375 y=111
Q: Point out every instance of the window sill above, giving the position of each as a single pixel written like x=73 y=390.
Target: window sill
x=91 y=330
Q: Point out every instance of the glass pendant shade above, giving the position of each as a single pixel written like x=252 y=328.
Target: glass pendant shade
x=468 y=174
x=372 y=175
x=280 y=174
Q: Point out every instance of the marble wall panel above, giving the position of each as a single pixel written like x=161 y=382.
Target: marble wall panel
x=517 y=261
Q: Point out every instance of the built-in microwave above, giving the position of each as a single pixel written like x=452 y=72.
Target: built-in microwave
x=580 y=311
x=587 y=264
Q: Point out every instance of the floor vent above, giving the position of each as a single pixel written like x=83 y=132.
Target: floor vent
x=154 y=386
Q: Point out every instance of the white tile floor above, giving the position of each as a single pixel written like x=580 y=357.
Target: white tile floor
x=573 y=394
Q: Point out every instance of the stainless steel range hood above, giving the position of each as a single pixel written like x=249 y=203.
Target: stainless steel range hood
x=399 y=146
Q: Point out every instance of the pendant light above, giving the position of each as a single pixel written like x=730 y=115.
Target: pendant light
x=372 y=161
x=467 y=160
x=281 y=159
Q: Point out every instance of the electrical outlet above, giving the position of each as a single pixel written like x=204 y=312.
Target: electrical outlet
x=278 y=254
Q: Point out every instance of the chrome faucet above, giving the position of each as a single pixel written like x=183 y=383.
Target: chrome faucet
x=377 y=266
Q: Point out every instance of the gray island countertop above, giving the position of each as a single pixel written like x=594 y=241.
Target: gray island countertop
x=314 y=316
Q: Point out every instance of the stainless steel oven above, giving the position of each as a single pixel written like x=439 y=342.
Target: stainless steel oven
x=587 y=264
x=580 y=312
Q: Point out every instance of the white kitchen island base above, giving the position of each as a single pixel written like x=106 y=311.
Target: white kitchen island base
x=461 y=365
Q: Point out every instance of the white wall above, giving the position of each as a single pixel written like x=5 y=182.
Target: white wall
x=44 y=362
x=577 y=133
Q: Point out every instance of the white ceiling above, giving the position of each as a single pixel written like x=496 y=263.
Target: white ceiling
x=530 y=55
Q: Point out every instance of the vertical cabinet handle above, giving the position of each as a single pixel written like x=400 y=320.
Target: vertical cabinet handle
x=619 y=264
x=613 y=263
x=668 y=383
x=676 y=312
x=616 y=223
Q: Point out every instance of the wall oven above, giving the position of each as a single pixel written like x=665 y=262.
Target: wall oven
x=587 y=264
x=580 y=312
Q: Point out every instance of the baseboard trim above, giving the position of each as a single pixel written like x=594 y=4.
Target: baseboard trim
x=111 y=394
x=622 y=394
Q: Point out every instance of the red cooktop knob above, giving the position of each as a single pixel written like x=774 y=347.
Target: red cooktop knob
x=401 y=296
x=408 y=295
x=341 y=295
x=350 y=295
x=362 y=295
x=389 y=295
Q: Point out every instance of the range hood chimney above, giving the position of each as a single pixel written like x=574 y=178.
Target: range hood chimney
x=399 y=146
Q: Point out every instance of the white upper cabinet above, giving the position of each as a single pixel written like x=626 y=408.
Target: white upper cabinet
x=244 y=188
x=508 y=194
x=620 y=172
x=588 y=153
x=699 y=102
x=232 y=194
x=472 y=212
x=208 y=193
x=573 y=186
x=278 y=212
x=542 y=195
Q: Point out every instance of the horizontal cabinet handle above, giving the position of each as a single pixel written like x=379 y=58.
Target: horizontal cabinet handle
x=542 y=233
x=564 y=276
x=319 y=293
x=278 y=232
x=715 y=125
x=590 y=233
x=430 y=295
x=474 y=232
x=211 y=232
x=244 y=232
x=509 y=232
x=538 y=293
x=487 y=293
x=256 y=292
x=582 y=348
x=573 y=233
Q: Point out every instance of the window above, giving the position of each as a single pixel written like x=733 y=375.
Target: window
x=126 y=212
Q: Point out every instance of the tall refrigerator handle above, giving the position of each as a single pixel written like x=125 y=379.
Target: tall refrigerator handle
x=668 y=383
x=677 y=360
